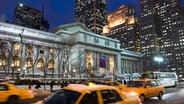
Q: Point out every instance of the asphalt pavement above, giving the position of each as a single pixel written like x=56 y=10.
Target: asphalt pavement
x=41 y=91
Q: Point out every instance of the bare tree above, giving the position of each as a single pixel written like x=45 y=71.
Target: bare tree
x=59 y=54
x=2 y=52
x=10 y=56
x=63 y=54
x=80 y=63
x=35 y=58
x=46 y=67
x=65 y=62
x=52 y=56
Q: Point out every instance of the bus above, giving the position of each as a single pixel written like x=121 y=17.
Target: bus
x=167 y=79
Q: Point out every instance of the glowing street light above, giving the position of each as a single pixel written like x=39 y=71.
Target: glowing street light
x=21 y=5
x=158 y=59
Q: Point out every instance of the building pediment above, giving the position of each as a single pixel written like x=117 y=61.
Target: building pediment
x=73 y=27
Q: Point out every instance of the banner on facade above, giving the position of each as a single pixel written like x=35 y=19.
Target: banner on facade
x=102 y=61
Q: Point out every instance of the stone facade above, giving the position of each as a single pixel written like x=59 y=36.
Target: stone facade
x=71 y=51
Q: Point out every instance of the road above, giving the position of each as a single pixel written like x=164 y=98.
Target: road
x=173 y=95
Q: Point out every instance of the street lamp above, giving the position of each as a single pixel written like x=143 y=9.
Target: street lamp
x=158 y=59
x=74 y=71
x=66 y=74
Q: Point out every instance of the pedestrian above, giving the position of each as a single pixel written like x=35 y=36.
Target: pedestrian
x=65 y=83
x=124 y=82
x=29 y=86
x=62 y=84
x=37 y=85
x=51 y=86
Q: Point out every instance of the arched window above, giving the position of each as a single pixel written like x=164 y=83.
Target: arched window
x=40 y=64
x=51 y=65
x=29 y=62
x=16 y=62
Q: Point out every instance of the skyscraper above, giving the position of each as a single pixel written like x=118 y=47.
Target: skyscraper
x=92 y=13
x=29 y=17
x=162 y=34
x=123 y=25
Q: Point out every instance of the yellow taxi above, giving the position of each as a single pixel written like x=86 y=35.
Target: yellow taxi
x=115 y=84
x=10 y=94
x=145 y=88
x=90 y=94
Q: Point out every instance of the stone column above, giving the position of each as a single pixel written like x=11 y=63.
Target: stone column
x=118 y=64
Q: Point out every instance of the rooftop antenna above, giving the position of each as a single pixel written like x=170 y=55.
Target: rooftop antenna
x=43 y=8
x=42 y=15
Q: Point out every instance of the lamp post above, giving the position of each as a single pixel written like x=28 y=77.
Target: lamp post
x=74 y=71
x=21 y=53
x=18 y=76
x=24 y=70
x=66 y=74
x=12 y=67
x=158 y=59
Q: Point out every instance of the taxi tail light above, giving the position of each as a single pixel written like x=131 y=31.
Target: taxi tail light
x=30 y=91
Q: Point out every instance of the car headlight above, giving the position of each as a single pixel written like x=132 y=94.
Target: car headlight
x=134 y=93
x=91 y=84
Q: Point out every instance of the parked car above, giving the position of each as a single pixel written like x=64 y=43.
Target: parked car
x=90 y=94
x=11 y=95
x=145 y=88
x=115 y=84
x=181 y=80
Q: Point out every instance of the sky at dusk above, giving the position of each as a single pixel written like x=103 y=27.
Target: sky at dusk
x=58 y=12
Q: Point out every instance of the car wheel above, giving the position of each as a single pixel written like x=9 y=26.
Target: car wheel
x=160 y=95
x=13 y=100
x=176 y=84
x=142 y=98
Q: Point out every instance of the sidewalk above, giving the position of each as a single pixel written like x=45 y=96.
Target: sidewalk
x=41 y=91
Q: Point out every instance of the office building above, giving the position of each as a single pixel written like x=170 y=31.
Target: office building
x=92 y=13
x=123 y=26
x=30 y=17
x=162 y=35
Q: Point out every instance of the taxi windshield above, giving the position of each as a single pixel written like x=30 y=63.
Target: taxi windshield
x=63 y=97
x=135 y=83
